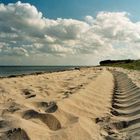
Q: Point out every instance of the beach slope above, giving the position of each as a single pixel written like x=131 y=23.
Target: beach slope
x=68 y=105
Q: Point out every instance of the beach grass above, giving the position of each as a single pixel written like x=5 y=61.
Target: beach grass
x=133 y=65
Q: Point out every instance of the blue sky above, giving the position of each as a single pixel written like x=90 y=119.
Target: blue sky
x=78 y=9
x=68 y=32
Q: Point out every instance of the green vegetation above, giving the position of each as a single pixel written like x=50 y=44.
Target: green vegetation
x=127 y=64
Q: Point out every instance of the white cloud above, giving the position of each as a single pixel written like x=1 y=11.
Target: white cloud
x=89 y=19
x=25 y=32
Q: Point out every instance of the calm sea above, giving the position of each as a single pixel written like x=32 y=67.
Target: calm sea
x=19 y=70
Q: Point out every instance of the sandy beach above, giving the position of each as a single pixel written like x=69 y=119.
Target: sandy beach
x=69 y=70
x=87 y=104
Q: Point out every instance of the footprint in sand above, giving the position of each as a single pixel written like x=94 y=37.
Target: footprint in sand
x=49 y=107
x=27 y=93
x=51 y=121
x=16 y=134
x=11 y=108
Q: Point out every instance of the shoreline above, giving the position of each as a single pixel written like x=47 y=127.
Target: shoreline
x=44 y=72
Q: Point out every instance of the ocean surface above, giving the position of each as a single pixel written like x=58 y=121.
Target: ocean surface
x=19 y=70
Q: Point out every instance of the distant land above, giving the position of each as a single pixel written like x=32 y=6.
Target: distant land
x=127 y=64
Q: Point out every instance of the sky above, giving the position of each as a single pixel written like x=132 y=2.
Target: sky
x=68 y=32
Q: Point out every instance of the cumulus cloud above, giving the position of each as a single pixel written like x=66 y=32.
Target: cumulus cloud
x=24 y=31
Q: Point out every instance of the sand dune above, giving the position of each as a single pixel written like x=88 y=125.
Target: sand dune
x=85 y=104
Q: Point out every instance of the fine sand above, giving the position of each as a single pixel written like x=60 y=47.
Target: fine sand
x=83 y=104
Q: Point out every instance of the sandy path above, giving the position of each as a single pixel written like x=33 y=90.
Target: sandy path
x=90 y=104
x=124 y=121
x=126 y=106
x=55 y=106
x=86 y=104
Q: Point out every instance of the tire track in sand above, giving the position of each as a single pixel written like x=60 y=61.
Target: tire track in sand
x=126 y=108
x=123 y=122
